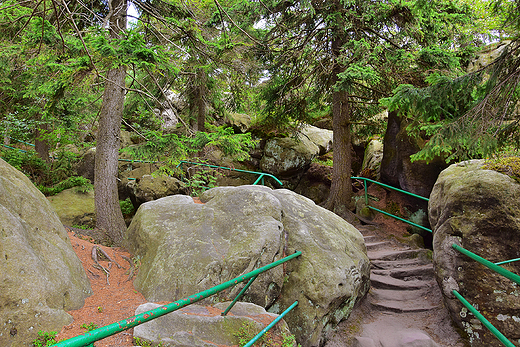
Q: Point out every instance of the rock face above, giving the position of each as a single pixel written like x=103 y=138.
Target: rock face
x=285 y=157
x=479 y=210
x=320 y=137
x=186 y=248
x=240 y=122
x=150 y=188
x=396 y=167
x=372 y=159
x=74 y=207
x=40 y=275
x=200 y=326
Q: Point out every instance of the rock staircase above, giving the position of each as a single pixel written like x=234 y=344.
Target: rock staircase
x=404 y=306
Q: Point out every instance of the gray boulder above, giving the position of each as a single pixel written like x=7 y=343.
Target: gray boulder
x=479 y=210
x=40 y=275
x=287 y=156
x=322 y=138
x=149 y=188
x=75 y=207
x=240 y=122
x=200 y=326
x=85 y=166
x=372 y=159
x=186 y=248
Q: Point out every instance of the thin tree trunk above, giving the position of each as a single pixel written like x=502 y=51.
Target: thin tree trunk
x=40 y=145
x=108 y=212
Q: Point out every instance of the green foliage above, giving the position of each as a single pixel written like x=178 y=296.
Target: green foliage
x=90 y=326
x=29 y=163
x=143 y=343
x=82 y=185
x=170 y=148
x=127 y=208
x=246 y=333
x=202 y=180
x=45 y=339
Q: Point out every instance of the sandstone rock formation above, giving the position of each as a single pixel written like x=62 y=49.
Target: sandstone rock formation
x=479 y=210
x=186 y=248
x=200 y=326
x=396 y=167
x=40 y=275
x=285 y=157
x=75 y=207
x=149 y=188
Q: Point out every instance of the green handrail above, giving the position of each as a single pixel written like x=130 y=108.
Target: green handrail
x=365 y=180
x=260 y=177
x=272 y=324
x=483 y=320
x=507 y=261
x=18 y=149
x=498 y=269
x=95 y=335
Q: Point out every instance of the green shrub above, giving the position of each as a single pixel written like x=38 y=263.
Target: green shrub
x=45 y=339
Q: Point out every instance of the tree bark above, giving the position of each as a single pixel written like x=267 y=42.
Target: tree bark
x=108 y=212
x=41 y=146
x=339 y=200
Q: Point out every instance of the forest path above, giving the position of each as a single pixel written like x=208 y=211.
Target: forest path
x=404 y=305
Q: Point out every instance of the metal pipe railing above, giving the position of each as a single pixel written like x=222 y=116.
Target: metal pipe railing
x=261 y=176
x=365 y=180
x=498 y=269
x=272 y=324
x=95 y=335
x=483 y=320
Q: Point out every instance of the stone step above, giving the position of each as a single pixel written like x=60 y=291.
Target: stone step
x=401 y=263
x=387 y=282
x=423 y=294
x=371 y=238
x=421 y=272
x=397 y=254
x=402 y=306
x=374 y=246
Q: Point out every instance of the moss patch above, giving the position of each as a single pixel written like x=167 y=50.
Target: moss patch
x=506 y=165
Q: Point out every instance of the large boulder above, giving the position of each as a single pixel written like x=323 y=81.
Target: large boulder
x=372 y=159
x=186 y=248
x=479 y=210
x=397 y=168
x=75 y=207
x=40 y=275
x=320 y=137
x=240 y=122
x=287 y=156
x=200 y=326
x=149 y=188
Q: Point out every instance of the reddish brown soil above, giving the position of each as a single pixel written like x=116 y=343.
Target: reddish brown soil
x=110 y=302
x=115 y=298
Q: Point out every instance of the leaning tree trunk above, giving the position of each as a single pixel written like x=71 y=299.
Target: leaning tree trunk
x=340 y=195
x=108 y=212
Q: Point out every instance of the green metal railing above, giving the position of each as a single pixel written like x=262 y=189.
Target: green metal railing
x=260 y=178
x=89 y=338
x=272 y=324
x=365 y=180
x=500 y=270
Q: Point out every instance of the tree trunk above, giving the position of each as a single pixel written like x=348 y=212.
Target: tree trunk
x=40 y=145
x=108 y=212
x=339 y=200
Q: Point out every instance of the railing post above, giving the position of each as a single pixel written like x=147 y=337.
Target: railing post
x=500 y=270
x=483 y=319
x=273 y=323
x=239 y=296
